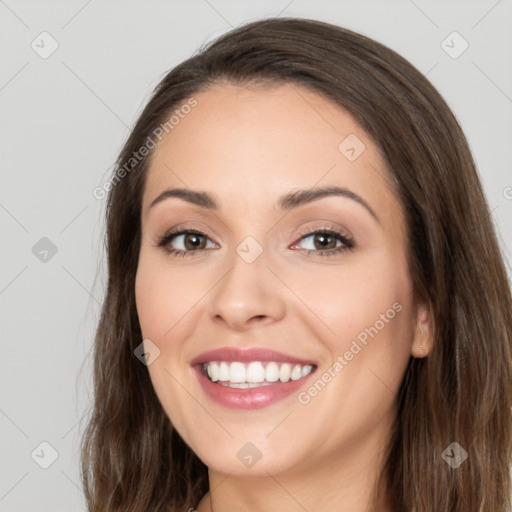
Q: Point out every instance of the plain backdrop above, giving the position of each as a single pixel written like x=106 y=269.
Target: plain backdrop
x=73 y=77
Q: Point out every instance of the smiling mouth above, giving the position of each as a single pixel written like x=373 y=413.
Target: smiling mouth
x=254 y=374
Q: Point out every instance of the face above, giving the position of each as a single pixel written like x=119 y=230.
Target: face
x=272 y=289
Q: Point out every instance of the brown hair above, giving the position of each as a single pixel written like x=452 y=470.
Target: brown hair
x=133 y=459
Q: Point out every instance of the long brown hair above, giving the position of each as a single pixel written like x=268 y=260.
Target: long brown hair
x=133 y=459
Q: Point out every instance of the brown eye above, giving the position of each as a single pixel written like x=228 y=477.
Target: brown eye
x=324 y=242
x=185 y=242
x=193 y=241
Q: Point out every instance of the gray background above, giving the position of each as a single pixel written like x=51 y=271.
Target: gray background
x=64 y=118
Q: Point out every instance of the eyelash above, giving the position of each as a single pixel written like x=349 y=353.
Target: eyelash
x=348 y=243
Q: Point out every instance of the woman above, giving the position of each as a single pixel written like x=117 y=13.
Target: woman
x=307 y=308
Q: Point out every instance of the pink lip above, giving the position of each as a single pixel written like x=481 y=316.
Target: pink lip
x=249 y=398
x=245 y=355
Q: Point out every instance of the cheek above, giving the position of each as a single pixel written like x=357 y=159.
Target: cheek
x=374 y=329
x=363 y=313
x=343 y=301
x=370 y=315
x=150 y=307
x=161 y=301
x=163 y=297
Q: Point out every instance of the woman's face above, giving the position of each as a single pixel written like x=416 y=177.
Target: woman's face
x=286 y=280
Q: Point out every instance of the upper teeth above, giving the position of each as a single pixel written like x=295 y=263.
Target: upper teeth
x=237 y=373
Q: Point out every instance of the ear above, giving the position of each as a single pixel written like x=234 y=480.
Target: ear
x=423 y=341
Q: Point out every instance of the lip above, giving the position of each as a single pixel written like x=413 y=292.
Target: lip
x=248 y=398
x=246 y=355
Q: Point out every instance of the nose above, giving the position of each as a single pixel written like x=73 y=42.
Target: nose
x=248 y=295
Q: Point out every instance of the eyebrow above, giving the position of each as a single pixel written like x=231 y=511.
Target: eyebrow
x=286 y=202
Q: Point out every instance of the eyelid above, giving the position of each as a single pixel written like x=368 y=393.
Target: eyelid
x=347 y=240
x=327 y=226
x=179 y=231
x=181 y=228
x=188 y=227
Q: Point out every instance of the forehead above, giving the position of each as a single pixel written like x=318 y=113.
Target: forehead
x=249 y=145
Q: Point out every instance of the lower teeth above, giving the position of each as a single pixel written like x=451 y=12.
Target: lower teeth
x=244 y=385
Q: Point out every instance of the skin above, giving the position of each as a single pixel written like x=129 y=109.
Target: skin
x=247 y=146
